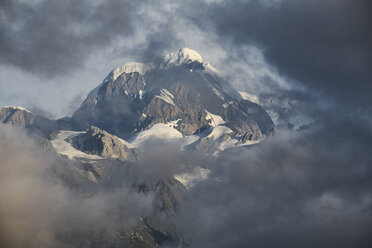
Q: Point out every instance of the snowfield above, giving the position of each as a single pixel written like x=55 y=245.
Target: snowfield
x=18 y=108
x=65 y=148
x=161 y=131
x=215 y=120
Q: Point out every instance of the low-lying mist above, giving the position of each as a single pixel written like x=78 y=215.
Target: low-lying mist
x=307 y=188
x=36 y=206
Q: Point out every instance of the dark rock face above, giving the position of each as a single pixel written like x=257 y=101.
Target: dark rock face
x=114 y=107
x=184 y=92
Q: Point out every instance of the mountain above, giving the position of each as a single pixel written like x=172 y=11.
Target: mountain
x=182 y=90
x=182 y=101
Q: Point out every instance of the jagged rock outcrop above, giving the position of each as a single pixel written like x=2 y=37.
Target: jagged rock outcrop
x=181 y=88
x=99 y=142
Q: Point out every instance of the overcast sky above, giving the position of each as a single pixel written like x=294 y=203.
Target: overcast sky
x=309 y=62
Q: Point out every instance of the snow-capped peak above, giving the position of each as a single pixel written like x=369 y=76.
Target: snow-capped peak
x=129 y=67
x=186 y=56
x=141 y=68
x=183 y=56
x=18 y=108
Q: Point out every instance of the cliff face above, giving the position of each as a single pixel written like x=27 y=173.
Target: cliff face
x=99 y=142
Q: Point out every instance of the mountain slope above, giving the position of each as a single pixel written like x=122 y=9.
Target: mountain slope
x=182 y=89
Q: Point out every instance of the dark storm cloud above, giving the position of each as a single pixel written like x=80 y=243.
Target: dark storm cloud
x=157 y=44
x=49 y=37
x=296 y=189
x=327 y=45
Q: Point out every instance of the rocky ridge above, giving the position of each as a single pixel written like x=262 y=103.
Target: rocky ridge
x=99 y=142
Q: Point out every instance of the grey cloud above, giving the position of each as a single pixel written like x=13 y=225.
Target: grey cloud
x=74 y=104
x=324 y=44
x=157 y=44
x=297 y=188
x=54 y=37
x=41 y=112
x=308 y=189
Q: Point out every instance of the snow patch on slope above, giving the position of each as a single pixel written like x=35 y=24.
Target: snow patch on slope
x=18 y=108
x=223 y=138
x=219 y=131
x=140 y=94
x=130 y=67
x=249 y=97
x=159 y=131
x=65 y=148
x=218 y=93
x=166 y=96
x=215 y=120
x=173 y=123
x=210 y=68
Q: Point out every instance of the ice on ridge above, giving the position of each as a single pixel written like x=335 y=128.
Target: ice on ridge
x=166 y=96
